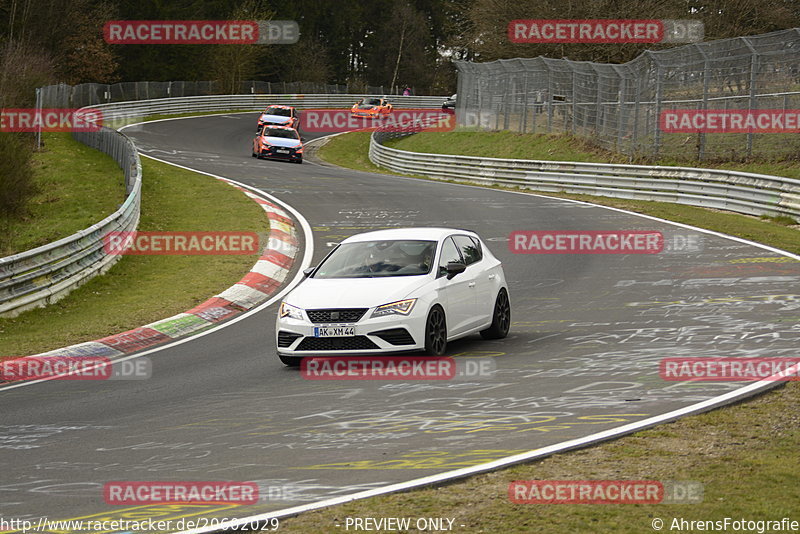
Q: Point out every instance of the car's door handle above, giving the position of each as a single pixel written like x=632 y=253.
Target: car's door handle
x=491 y=277
x=471 y=284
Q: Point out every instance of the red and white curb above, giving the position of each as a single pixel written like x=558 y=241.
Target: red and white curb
x=264 y=280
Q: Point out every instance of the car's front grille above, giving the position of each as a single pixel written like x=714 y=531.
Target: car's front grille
x=286 y=338
x=395 y=336
x=344 y=315
x=336 y=343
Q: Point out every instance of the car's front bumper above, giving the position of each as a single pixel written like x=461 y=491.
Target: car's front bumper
x=388 y=334
x=371 y=114
x=272 y=153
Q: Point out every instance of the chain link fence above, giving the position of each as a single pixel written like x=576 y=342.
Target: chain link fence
x=92 y=94
x=618 y=106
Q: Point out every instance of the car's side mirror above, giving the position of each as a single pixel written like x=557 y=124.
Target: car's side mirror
x=303 y=139
x=307 y=272
x=454 y=268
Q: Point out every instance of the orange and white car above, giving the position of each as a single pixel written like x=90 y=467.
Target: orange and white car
x=279 y=116
x=371 y=107
x=278 y=142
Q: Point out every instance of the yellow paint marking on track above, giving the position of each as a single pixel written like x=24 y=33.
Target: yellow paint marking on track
x=424 y=460
x=765 y=259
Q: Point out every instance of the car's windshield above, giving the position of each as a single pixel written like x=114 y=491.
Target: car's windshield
x=280 y=112
x=280 y=132
x=370 y=259
x=369 y=102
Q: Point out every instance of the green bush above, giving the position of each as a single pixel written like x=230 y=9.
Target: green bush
x=16 y=175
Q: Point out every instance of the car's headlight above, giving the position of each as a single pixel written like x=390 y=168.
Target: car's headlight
x=401 y=307
x=287 y=310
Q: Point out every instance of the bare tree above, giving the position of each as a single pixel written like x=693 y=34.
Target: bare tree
x=231 y=64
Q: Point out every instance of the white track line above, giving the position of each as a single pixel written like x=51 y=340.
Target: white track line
x=489 y=466
x=308 y=252
x=503 y=462
x=727 y=398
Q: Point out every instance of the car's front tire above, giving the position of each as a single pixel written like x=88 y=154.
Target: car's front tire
x=501 y=318
x=291 y=361
x=435 y=332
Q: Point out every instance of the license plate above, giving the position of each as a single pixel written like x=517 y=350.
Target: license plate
x=334 y=331
x=282 y=151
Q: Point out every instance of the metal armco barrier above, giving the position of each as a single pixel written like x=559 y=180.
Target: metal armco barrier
x=40 y=276
x=741 y=192
x=204 y=104
x=43 y=275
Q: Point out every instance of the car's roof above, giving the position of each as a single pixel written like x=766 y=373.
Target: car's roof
x=279 y=106
x=421 y=233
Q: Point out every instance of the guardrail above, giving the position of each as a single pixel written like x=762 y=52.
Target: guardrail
x=204 y=104
x=40 y=276
x=741 y=192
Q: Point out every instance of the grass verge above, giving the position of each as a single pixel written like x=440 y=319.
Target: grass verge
x=349 y=150
x=142 y=289
x=558 y=148
x=740 y=454
x=76 y=187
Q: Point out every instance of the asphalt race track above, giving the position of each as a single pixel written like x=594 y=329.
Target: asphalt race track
x=588 y=332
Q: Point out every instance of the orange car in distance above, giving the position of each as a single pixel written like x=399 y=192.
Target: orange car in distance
x=371 y=107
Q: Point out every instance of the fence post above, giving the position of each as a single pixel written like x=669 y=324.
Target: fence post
x=753 y=79
x=574 y=101
x=623 y=87
x=701 y=150
x=525 y=104
x=657 y=117
x=599 y=114
x=38 y=122
x=549 y=99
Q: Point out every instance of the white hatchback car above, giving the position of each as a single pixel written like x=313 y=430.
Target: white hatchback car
x=405 y=289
